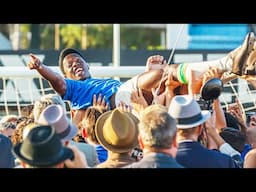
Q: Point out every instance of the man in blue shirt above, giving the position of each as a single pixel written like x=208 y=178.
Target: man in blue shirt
x=78 y=86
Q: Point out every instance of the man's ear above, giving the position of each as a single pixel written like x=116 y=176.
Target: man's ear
x=174 y=141
x=84 y=133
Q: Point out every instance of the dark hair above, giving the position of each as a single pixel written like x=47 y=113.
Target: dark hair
x=234 y=137
x=91 y=115
x=64 y=53
x=231 y=121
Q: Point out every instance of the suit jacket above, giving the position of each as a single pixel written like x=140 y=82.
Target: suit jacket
x=155 y=160
x=194 y=155
x=116 y=160
x=6 y=155
x=89 y=152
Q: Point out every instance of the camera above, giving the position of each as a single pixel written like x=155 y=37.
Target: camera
x=205 y=105
x=137 y=154
x=209 y=91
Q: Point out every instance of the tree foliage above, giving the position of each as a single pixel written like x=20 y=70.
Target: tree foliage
x=98 y=36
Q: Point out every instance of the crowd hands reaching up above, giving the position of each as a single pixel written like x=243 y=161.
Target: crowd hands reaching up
x=153 y=120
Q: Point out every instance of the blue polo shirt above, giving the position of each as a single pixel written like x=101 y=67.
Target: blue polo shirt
x=80 y=93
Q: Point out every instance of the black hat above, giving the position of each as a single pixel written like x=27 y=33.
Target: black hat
x=66 y=52
x=42 y=147
x=231 y=121
x=234 y=137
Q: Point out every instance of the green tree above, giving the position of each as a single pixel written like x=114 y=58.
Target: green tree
x=26 y=36
x=140 y=38
x=47 y=36
x=100 y=36
x=71 y=35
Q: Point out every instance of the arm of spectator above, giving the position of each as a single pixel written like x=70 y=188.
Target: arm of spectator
x=220 y=116
x=236 y=111
x=155 y=62
x=217 y=108
x=79 y=160
x=138 y=101
x=158 y=99
x=194 y=83
x=100 y=103
x=223 y=146
x=170 y=86
x=56 y=80
x=213 y=72
x=77 y=116
x=123 y=107
x=207 y=134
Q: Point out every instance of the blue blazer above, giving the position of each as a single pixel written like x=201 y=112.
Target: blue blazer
x=194 y=155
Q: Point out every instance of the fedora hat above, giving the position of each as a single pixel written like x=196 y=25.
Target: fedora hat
x=42 y=147
x=117 y=131
x=187 y=112
x=55 y=116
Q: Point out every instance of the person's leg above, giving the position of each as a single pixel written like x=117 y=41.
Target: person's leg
x=234 y=62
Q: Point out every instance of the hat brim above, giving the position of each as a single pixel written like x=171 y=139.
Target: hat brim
x=73 y=132
x=205 y=115
x=99 y=134
x=63 y=155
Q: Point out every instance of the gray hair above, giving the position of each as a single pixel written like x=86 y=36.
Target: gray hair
x=157 y=128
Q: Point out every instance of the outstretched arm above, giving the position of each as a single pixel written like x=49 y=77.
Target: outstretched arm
x=56 y=80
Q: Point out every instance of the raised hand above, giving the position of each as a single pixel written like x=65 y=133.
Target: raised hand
x=34 y=62
x=155 y=62
x=100 y=103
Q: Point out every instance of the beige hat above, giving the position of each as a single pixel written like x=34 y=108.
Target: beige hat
x=117 y=131
x=187 y=112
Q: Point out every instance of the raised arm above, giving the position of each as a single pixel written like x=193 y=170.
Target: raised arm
x=56 y=80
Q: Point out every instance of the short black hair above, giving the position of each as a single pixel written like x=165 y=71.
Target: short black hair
x=234 y=137
x=231 y=121
x=64 y=53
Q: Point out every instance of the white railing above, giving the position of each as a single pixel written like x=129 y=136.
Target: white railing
x=18 y=87
x=96 y=71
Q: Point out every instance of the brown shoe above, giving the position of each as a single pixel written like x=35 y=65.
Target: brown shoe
x=250 y=68
x=240 y=55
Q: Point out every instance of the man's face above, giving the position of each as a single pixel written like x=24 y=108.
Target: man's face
x=75 y=67
x=252 y=122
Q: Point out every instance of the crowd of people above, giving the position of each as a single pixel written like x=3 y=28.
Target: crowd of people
x=153 y=120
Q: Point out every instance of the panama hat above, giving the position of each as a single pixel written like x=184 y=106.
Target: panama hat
x=187 y=112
